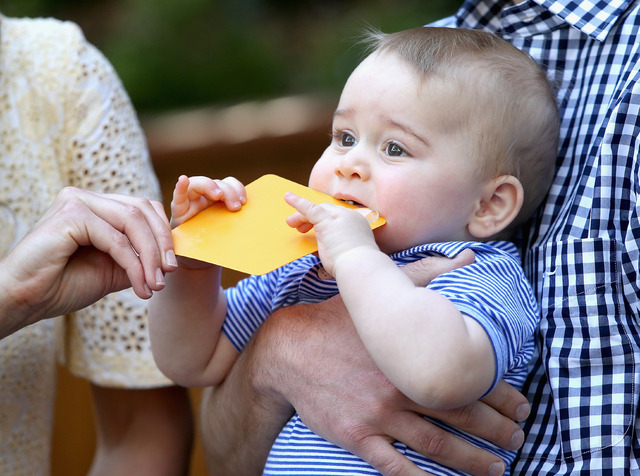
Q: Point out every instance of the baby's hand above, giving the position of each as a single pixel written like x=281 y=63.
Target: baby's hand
x=193 y=194
x=338 y=229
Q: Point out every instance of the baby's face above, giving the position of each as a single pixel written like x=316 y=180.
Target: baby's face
x=390 y=152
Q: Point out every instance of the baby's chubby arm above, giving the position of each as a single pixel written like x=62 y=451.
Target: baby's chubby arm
x=430 y=351
x=185 y=319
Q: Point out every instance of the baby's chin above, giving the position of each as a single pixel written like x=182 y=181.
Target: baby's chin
x=387 y=242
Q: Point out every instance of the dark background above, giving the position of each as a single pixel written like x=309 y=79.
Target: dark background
x=179 y=53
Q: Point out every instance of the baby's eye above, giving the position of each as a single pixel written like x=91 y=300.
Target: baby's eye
x=347 y=140
x=394 y=150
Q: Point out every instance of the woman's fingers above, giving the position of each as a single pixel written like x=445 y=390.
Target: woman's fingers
x=134 y=232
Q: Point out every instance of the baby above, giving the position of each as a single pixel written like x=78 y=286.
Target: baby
x=450 y=135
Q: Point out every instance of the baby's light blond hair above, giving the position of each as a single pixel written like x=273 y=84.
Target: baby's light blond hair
x=498 y=99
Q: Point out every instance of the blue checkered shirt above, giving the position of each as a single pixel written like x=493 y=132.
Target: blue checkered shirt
x=582 y=249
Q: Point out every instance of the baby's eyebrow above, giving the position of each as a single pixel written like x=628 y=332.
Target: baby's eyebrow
x=406 y=130
x=341 y=113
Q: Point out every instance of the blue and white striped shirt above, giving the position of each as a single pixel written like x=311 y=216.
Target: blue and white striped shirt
x=582 y=250
x=492 y=290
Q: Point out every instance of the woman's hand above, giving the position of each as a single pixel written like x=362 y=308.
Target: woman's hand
x=85 y=246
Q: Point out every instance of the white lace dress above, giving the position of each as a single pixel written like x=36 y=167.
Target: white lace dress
x=65 y=119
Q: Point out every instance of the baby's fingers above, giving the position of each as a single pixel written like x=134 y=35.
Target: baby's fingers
x=308 y=210
x=200 y=187
x=194 y=194
x=232 y=193
x=191 y=195
x=299 y=222
x=180 y=202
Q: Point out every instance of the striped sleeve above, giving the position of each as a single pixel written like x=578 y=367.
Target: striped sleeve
x=495 y=292
x=255 y=298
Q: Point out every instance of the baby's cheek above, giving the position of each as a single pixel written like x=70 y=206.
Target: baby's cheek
x=321 y=175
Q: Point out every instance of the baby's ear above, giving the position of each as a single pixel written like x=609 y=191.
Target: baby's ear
x=499 y=205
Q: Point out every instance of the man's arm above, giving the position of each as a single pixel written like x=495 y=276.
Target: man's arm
x=241 y=418
x=147 y=432
x=309 y=358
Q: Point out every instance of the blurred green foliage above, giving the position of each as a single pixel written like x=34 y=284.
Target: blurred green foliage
x=180 y=53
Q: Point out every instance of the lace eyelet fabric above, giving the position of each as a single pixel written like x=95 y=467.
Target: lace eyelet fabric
x=65 y=120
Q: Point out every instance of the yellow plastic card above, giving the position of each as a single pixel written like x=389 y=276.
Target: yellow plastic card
x=256 y=239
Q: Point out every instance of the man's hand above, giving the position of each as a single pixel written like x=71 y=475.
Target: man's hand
x=342 y=396
x=84 y=247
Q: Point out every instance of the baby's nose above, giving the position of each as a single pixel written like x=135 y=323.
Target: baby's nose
x=353 y=166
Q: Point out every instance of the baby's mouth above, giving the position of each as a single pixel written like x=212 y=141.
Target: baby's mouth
x=353 y=202
x=370 y=214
